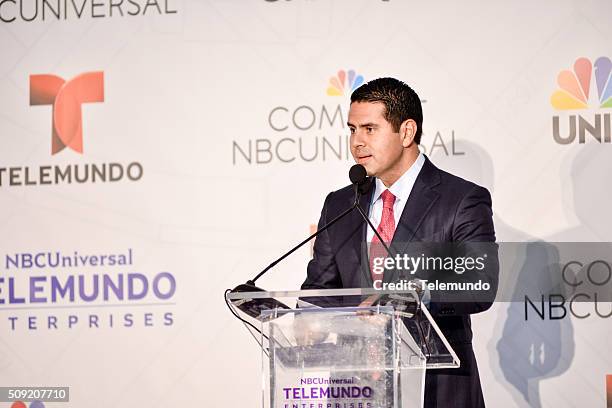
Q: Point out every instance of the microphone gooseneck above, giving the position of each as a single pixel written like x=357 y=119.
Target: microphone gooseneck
x=359 y=178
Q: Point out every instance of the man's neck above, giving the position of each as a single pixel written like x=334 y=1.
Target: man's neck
x=406 y=162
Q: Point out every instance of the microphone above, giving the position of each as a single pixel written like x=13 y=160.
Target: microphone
x=358 y=174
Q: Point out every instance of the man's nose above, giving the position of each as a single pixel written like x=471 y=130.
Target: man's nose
x=356 y=139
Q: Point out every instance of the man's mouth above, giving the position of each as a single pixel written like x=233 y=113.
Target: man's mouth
x=363 y=158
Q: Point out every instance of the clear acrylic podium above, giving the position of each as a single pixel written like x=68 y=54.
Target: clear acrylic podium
x=343 y=348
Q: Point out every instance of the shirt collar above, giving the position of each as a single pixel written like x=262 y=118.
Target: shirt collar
x=403 y=186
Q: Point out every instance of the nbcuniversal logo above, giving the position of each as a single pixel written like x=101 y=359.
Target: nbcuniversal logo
x=304 y=131
x=585 y=90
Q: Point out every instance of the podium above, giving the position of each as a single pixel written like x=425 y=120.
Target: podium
x=343 y=348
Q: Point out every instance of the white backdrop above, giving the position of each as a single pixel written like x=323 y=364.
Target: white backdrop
x=189 y=87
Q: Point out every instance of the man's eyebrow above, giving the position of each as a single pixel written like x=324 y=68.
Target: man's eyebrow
x=363 y=124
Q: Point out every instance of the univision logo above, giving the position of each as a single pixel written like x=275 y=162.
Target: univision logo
x=575 y=94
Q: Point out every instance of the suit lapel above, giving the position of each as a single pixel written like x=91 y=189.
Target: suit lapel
x=420 y=202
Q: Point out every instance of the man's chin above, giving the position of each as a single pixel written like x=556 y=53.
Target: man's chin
x=370 y=170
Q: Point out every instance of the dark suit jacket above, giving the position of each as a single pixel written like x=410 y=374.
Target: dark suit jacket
x=440 y=208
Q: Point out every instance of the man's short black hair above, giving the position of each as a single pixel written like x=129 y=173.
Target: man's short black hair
x=400 y=100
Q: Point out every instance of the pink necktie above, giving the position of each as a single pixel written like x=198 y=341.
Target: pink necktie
x=386 y=229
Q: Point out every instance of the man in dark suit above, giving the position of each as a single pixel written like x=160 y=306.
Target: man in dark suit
x=410 y=200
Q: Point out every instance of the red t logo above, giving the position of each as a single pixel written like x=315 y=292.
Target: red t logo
x=66 y=98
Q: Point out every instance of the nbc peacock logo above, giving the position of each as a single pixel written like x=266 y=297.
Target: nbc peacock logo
x=575 y=85
x=344 y=83
x=587 y=89
x=34 y=404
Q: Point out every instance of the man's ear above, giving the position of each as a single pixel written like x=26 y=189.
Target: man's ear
x=408 y=130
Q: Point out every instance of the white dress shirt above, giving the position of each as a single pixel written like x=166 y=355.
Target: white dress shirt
x=400 y=189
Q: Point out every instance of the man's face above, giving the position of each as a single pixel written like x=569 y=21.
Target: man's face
x=374 y=142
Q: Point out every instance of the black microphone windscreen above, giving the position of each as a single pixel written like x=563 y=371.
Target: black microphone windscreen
x=358 y=174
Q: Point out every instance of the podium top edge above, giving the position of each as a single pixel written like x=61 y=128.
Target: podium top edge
x=317 y=293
